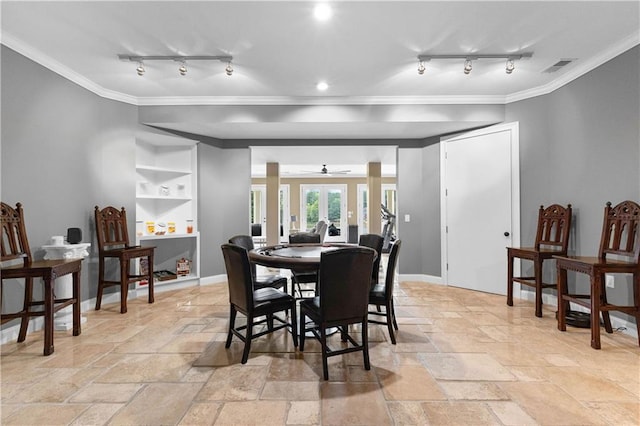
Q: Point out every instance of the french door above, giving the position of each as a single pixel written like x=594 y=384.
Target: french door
x=258 y=210
x=328 y=203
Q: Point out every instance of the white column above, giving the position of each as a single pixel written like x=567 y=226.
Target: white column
x=63 y=286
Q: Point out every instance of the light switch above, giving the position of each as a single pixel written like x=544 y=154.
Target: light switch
x=407 y=218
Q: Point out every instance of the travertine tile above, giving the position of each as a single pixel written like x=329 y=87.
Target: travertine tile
x=461 y=366
x=353 y=403
x=45 y=414
x=298 y=391
x=158 y=403
x=97 y=414
x=409 y=383
x=234 y=383
x=458 y=413
x=201 y=413
x=304 y=413
x=253 y=413
x=106 y=392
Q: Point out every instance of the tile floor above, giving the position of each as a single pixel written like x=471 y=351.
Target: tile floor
x=462 y=358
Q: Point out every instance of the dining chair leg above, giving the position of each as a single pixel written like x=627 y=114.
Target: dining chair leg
x=365 y=344
x=232 y=324
x=100 y=282
x=537 y=268
x=509 y=280
x=48 y=316
x=302 y=329
x=393 y=310
x=77 y=320
x=150 y=284
x=124 y=286
x=247 y=341
x=595 y=313
x=390 y=321
x=28 y=299
x=294 y=324
x=323 y=343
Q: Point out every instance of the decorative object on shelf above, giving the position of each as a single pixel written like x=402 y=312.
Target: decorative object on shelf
x=171 y=227
x=151 y=227
x=164 y=275
x=74 y=235
x=57 y=240
x=189 y=226
x=144 y=269
x=139 y=228
x=183 y=267
x=164 y=190
x=162 y=229
x=180 y=189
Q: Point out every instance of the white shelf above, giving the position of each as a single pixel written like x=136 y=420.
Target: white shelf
x=156 y=169
x=166 y=236
x=168 y=165
x=163 y=197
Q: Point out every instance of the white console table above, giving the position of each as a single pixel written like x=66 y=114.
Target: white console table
x=63 y=285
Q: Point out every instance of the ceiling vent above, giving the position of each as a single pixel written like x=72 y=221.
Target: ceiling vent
x=559 y=65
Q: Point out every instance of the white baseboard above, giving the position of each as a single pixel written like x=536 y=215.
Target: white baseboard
x=422 y=278
x=214 y=279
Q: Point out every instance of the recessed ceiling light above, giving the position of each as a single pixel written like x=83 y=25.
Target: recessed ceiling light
x=322 y=86
x=322 y=12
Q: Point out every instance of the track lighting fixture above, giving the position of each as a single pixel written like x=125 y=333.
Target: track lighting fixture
x=181 y=59
x=468 y=65
x=510 y=66
x=421 y=67
x=183 y=68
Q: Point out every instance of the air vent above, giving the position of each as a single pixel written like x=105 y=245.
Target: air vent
x=559 y=65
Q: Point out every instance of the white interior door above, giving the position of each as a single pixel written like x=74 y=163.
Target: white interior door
x=481 y=205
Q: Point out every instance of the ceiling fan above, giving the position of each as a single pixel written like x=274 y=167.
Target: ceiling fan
x=326 y=172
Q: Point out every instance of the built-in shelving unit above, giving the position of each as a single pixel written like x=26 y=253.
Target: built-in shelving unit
x=167 y=204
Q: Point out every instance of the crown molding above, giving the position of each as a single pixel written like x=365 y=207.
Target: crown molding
x=579 y=70
x=62 y=70
x=582 y=68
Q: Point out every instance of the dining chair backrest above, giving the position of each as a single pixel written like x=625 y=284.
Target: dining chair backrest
x=375 y=242
x=111 y=228
x=246 y=242
x=392 y=262
x=554 y=227
x=304 y=238
x=239 y=277
x=344 y=282
x=14 y=245
x=620 y=234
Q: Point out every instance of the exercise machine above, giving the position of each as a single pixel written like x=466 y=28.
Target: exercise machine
x=389 y=221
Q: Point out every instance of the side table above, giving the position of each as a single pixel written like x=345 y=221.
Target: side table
x=63 y=288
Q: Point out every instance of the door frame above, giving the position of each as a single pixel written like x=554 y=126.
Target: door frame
x=513 y=127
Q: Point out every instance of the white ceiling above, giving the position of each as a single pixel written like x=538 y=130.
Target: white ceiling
x=367 y=53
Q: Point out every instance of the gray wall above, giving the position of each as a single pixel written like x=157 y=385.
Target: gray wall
x=581 y=145
x=224 y=187
x=64 y=150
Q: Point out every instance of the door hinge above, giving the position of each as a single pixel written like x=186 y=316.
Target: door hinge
x=446 y=229
x=447 y=266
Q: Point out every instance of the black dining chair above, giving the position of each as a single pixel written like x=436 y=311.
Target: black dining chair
x=382 y=294
x=375 y=242
x=253 y=303
x=304 y=277
x=344 y=281
x=264 y=280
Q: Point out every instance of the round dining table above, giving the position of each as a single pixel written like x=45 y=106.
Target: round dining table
x=297 y=257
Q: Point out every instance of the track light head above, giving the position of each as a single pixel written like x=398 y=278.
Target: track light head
x=229 y=69
x=467 y=66
x=421 y=68
x=140 y=70
x=183 y=68
x=510 y=66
